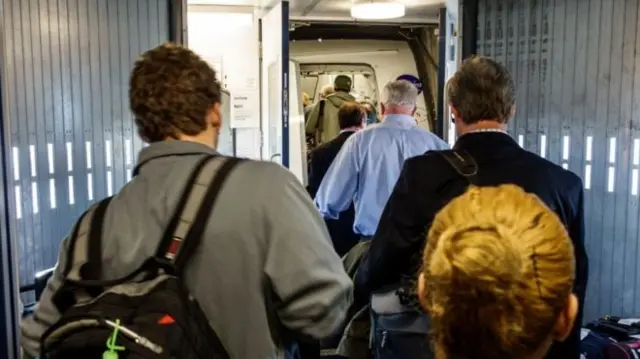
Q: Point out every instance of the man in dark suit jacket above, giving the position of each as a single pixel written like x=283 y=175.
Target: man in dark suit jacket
x=350 y=119
x=482 y=99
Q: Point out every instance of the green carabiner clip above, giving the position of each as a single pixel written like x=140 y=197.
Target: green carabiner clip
x=112 y=348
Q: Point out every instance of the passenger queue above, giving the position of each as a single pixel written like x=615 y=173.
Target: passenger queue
x=470 y=252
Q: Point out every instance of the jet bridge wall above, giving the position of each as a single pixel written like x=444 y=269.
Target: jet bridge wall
x=576 y=67
x=70 y=137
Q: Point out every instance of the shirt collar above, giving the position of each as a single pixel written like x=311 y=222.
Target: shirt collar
x=172 y=148
x=402 y=120
x=479 y=130
x=487 y=131
x=350 y=129
x=482 y=139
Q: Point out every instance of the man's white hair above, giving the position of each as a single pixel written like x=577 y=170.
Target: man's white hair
x=400 y=93
x=326 y=91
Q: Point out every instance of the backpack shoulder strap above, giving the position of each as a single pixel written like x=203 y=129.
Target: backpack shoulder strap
x=85 y=244
x=320 y=124
x=92 y=270
x=83 y=269
x=84 y=260
x=186 y=228
x=463 y=163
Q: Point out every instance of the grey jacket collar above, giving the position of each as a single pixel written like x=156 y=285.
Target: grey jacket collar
x=171 y=148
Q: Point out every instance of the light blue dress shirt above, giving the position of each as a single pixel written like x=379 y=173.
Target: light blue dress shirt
x=368 y=166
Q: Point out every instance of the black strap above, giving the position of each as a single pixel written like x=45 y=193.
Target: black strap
x=91 y=281
x=182 y=203
x=92 y=270
x=320 y=124
x=181 y=249
x=193 y=237
x=463 y=163
x=97 y=212
x=72 y=245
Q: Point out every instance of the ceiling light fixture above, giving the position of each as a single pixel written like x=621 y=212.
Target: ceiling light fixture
x=377 y=10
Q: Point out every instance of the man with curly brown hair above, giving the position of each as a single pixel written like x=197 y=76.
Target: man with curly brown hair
x=265 y=271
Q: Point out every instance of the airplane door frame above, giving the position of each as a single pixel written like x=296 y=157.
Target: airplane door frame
x=274 y=77
x=285 y=84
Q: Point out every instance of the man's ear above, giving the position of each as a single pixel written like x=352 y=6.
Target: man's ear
x=455 y=113
x=512 y=114
x=215 y=116
x=566 y=319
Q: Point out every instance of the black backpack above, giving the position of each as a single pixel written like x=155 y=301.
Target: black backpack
x=610 y=338
x=149 y=313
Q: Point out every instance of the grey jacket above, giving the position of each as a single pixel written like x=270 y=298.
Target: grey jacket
x=327 y=128
x=267 y=266
x=353 y=342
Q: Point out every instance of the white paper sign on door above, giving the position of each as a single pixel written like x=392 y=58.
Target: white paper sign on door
x=243 y=109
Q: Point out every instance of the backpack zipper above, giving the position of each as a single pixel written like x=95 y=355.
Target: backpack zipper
x=383 y=342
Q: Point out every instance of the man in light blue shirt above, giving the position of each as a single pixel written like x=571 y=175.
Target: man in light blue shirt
x=368 y=165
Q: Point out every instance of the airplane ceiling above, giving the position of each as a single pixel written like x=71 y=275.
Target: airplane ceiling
x=417 y=11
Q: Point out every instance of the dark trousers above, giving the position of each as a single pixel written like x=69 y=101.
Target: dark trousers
x=341 y=232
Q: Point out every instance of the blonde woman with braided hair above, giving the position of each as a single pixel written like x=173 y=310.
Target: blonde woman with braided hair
x=497 y=274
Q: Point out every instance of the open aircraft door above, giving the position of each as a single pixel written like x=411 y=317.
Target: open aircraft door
x=274 y=37
x=297 y=142
x=282 y=115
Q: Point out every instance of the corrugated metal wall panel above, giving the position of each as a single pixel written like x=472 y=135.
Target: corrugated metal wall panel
x=71 y=134
x=578 y=99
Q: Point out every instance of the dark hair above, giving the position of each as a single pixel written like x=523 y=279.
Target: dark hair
x=482 y=89
x=342 y=83
x=350 y=115
x=171 y=90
